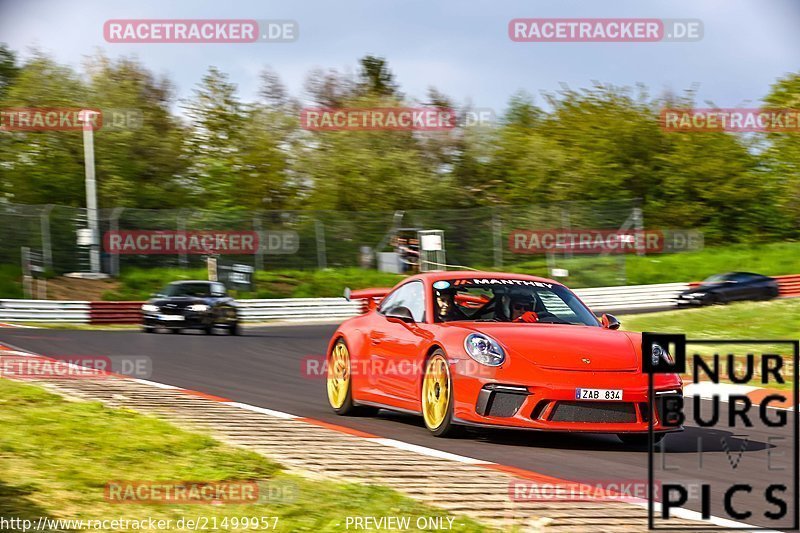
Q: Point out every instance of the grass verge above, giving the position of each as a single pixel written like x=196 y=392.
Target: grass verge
x=56 y=457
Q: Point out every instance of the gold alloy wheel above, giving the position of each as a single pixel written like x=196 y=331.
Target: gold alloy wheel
x=436 y=391
x=338 y=375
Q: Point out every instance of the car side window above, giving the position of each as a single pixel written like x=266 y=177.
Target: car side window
x=410 y=295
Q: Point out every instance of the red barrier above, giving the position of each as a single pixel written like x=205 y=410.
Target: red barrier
x=115 y=312
x=789 y=285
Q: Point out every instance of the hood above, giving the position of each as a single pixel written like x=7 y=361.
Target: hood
x=564 y=347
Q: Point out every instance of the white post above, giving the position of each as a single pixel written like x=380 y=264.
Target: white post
x=88 y=117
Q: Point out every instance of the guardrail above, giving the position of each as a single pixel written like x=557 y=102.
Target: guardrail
x=621 y=299
x=632 y=298
x=258 y=310
x=44 y=311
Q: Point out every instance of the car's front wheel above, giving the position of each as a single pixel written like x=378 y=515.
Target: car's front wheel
x=437 y=396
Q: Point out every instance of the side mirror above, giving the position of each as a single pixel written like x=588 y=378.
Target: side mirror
x=399 y=313
x=609 y=321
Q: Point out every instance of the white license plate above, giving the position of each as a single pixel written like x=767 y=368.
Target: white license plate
x=167 y=318
x=600 y=395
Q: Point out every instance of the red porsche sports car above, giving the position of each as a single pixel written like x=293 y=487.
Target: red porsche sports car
x=494 y=350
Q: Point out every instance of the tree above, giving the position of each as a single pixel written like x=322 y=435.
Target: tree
x=8 y=69
x=375 y=78
x=138 y=149
x=782 y=157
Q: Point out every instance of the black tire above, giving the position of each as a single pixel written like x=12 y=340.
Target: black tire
x=175 y=330
x=235 y=329
x=148 y=329
x=348 y=407
x=640 y=439
x=446 y=428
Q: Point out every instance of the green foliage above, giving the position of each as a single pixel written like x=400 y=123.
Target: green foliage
x=230 y=156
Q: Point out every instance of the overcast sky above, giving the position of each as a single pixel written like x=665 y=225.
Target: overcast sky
x=460 y=47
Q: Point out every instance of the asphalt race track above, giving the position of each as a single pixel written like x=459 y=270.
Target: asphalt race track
x=264 y=367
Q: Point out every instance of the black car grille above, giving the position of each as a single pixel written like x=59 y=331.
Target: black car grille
x=602 y=412
x=172 y=310
x=505 y=404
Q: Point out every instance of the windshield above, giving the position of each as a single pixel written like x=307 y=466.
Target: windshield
x=508 y=300
x=717 y=278
x=188 y=289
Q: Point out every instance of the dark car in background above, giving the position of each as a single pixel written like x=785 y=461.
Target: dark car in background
x=730 y=287
x=203 y=305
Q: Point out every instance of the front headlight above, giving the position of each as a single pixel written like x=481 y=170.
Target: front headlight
x=484 y=350
x=198 y=307
x=657 y=353
x=150 y=308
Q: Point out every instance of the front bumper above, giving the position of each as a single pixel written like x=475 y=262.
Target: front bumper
x=187 y=320
x=550 y=403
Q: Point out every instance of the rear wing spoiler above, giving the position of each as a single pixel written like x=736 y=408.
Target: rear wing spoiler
x=372 y=296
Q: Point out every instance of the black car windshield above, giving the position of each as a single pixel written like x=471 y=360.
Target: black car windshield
x=188 y=289
x=508 y=300
x=717 y=278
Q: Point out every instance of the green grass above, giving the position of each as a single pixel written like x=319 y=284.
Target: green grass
x=776 y=319
x=56 y=457
x=11 y=282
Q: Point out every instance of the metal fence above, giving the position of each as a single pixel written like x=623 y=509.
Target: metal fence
x=476 y=237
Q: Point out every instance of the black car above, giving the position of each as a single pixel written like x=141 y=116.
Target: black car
x=730 y=287
x=191 y=305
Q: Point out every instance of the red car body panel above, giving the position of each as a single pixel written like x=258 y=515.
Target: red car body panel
x=547 y=361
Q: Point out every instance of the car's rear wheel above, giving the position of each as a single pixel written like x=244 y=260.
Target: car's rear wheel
x=174 y=330
x=640 y=439
x=147 y=329
x=209 y=329
x=340 y=383
x=235 y=329
x=437 y=396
